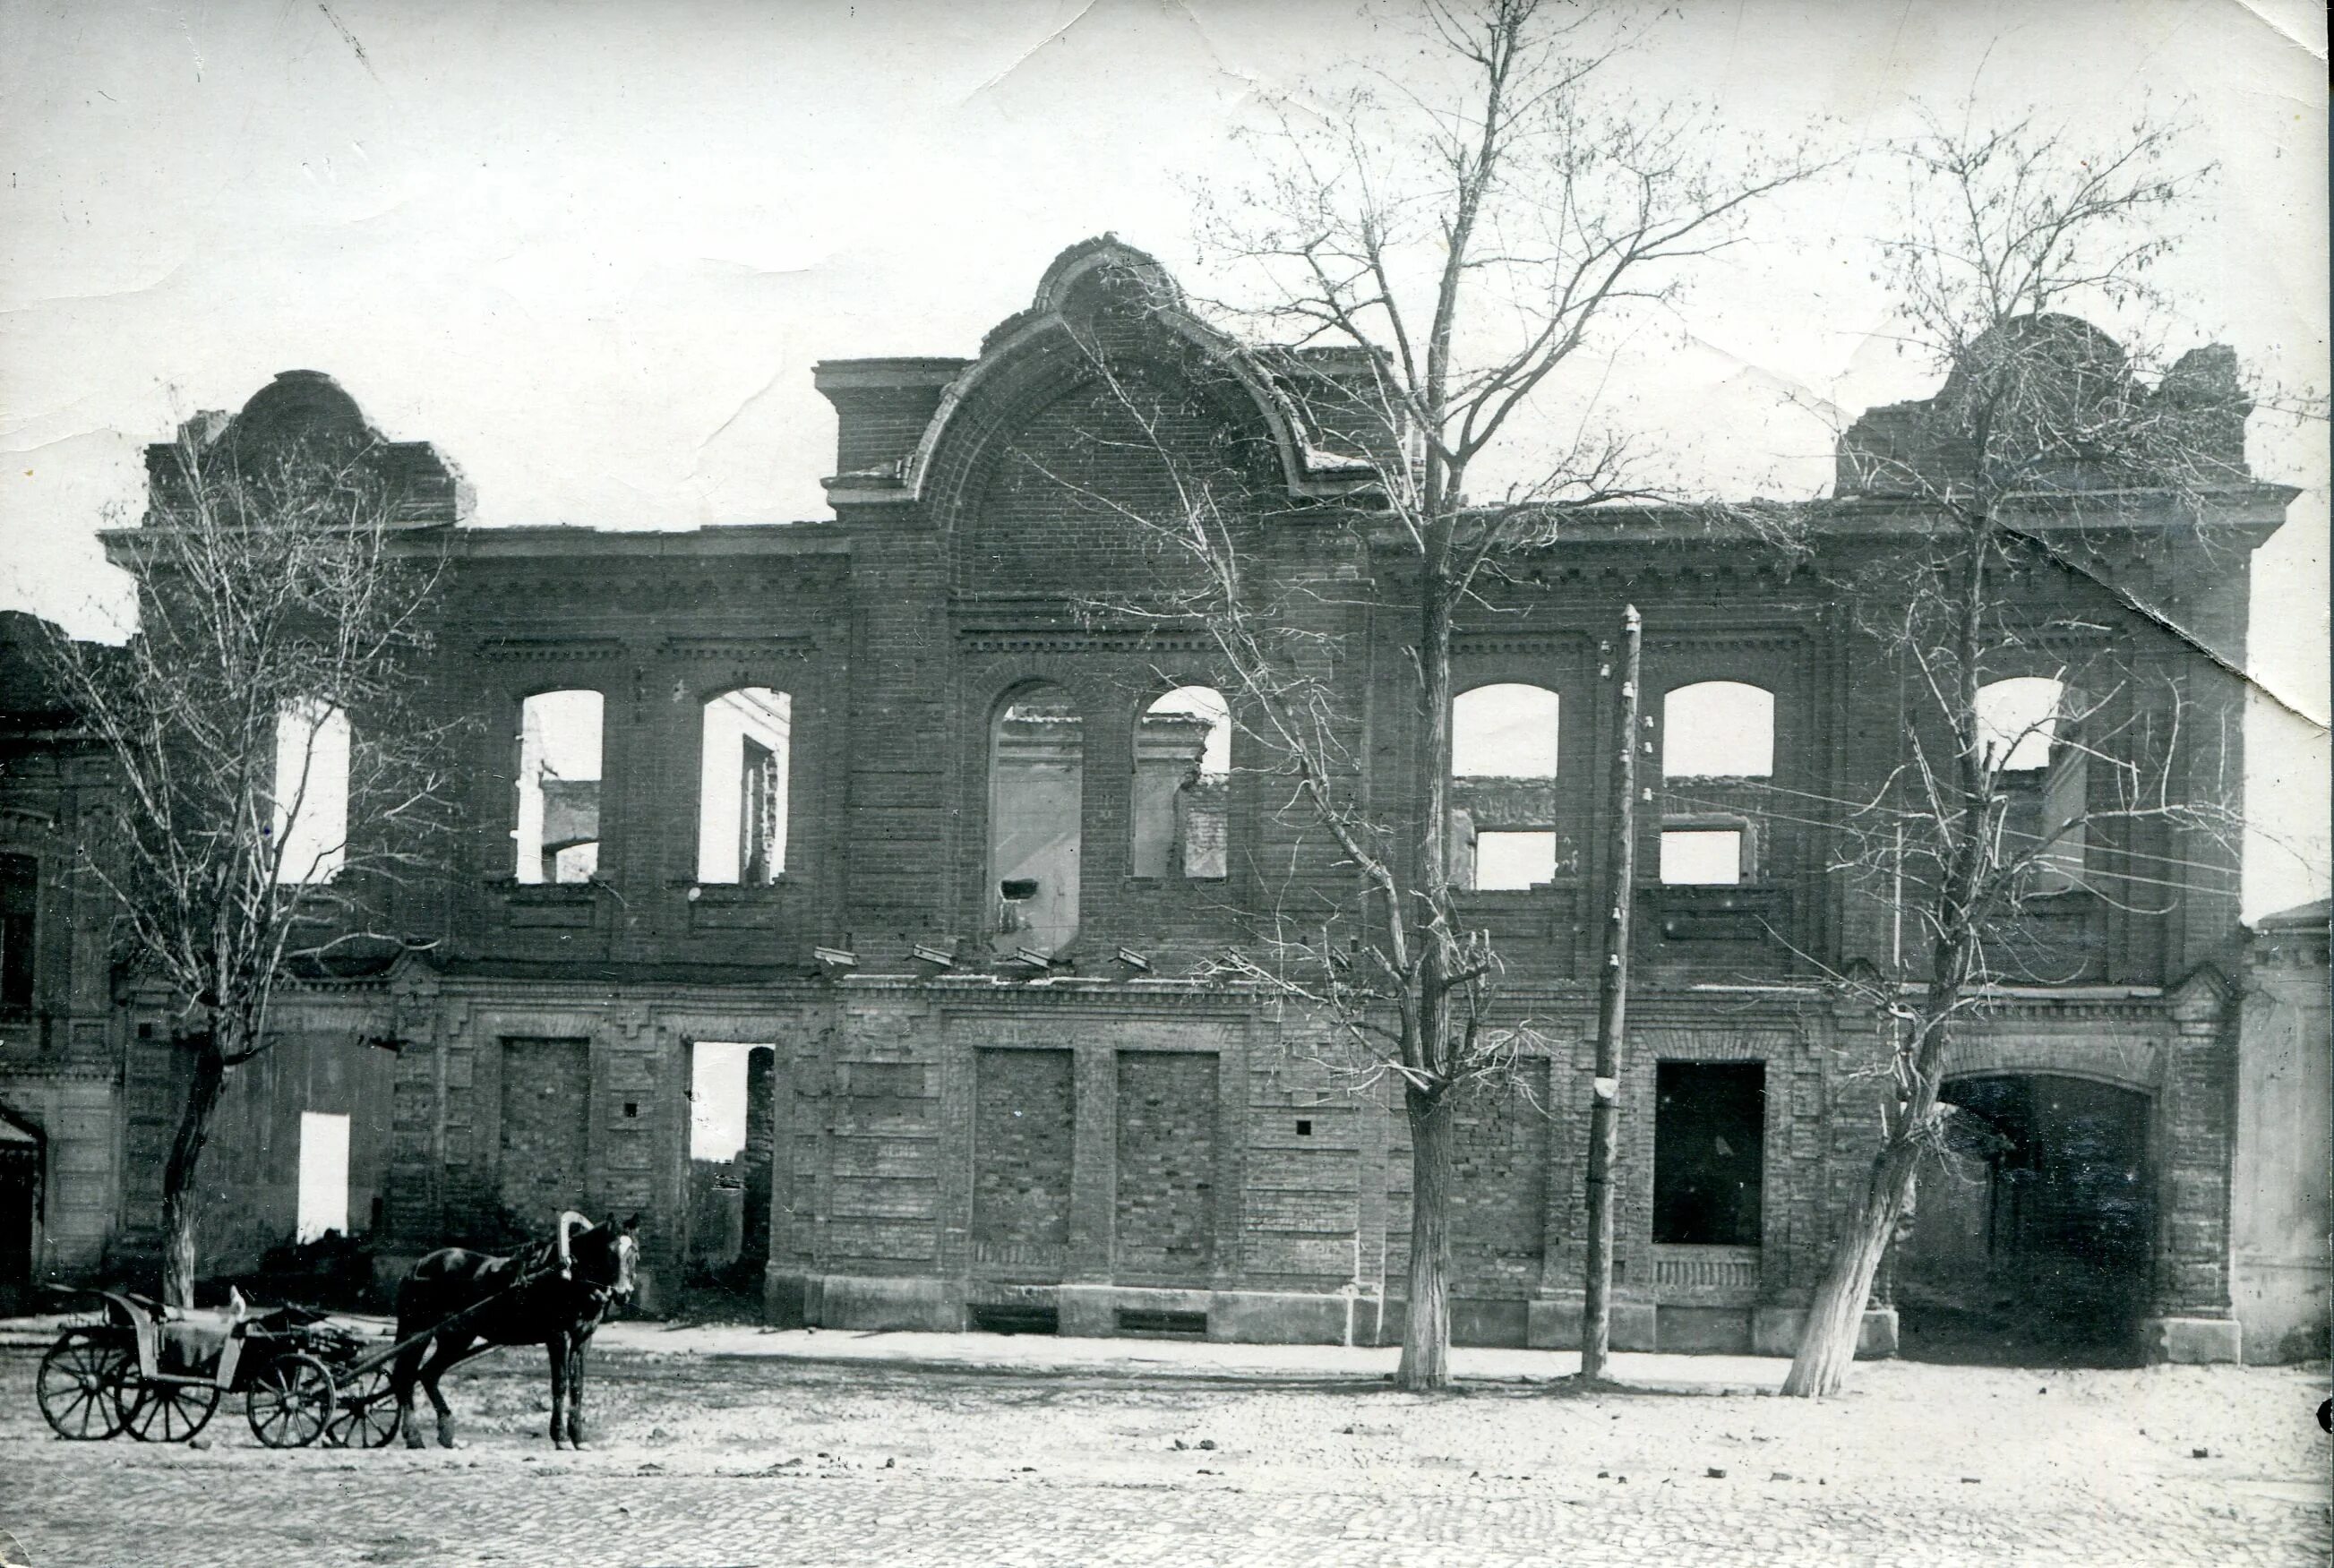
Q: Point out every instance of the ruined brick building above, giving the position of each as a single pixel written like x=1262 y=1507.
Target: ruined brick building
x=886 y=817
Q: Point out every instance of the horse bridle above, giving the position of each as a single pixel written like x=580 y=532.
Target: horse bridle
x=599 y=1294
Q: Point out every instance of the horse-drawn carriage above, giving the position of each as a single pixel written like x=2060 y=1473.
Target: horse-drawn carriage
x=158 y=1372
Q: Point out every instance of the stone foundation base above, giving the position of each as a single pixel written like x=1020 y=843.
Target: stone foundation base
x=1776 y=1330
x=793 y=1299
x=2192 y=1341
x=1554 y=1325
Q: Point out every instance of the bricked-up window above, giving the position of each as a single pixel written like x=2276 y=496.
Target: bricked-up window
x=1036 y=792
x=311 y=797
x=1182 y=779
x=20 y=894
x=1710 y=1122
x=2026 y=733
x=559 y=832
x=1717 y=729
x=1503 y=758
x=741 y=816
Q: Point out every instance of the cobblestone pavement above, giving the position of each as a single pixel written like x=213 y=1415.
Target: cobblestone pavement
x=717 y=1460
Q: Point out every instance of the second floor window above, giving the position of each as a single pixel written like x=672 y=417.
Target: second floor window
x=1717 y=751
x=1503 y=756
x=1036 y=794
x=742 y=801
x=311 y=798
x=1717 y=729
x=2026 y=736
x=557 y=835
x=1182 y=783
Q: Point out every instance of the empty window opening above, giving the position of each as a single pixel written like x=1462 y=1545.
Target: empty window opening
x=1503 y=765
x=1717 y=729
x=20 y=892
x=730 y=1142
x=559 y=832
x=1035 y=803
x=741 y=819
x=716 y=1100
x=1701 y=856
x=1710 y=1122
x=2025 y=734
x=1182 y=781
x=312 y=792
x=324 y=1175
x=1514 y=860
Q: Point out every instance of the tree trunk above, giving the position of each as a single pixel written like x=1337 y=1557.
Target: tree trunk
x=181 y=1200
x=1426 y=1328
x=1836 y=1317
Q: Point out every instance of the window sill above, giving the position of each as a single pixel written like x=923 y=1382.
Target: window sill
x=515 y=891
x=735 y=892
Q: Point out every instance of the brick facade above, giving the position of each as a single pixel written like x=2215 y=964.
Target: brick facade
x=954 y=1128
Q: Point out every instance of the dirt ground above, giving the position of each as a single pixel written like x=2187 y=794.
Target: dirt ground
x=737 y=1446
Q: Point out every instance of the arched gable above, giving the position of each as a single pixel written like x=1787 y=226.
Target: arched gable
x=1034 y=358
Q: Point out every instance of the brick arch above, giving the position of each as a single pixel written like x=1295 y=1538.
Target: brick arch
x=1011 y=525
x=1038 y=343
x=2122 y=1060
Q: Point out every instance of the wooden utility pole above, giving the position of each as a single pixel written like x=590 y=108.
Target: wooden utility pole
x=1612 y=1018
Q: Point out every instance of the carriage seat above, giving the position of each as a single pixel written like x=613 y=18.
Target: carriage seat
x=192 y=1337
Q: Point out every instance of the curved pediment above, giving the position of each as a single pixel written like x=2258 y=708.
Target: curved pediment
x=299 y=417
x=1099 y=293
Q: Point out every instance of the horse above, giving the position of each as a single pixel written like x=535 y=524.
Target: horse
x=554 y=1296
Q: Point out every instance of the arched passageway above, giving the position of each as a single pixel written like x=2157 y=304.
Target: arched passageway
x=2030 y=1243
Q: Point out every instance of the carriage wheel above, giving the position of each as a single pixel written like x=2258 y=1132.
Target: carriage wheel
x=289 y=1402
x=79 y=1383
x=364 y=1412
x=166 y=1412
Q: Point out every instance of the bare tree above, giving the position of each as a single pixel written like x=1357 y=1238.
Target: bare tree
x=276 y=775
x=1435 y=255
x=2048 y=450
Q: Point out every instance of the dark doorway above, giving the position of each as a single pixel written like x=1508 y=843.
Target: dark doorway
x=1709 y=1131
x=20 y=1196
x=2030 y=1240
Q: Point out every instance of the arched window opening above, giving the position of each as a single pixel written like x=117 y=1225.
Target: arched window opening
x=312 y=792
x=1182 y=783
x=1037 y=786
x=1503 y=760
x=1717 y=729
x=2025 y=735
x=741 y=816
x=558 y=831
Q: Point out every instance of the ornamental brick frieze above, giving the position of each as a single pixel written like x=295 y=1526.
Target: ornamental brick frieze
x=794 y=647
x=549 y=649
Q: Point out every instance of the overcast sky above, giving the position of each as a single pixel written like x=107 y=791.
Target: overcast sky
x=593 y=251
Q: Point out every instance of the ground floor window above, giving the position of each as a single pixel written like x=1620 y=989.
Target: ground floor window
x=323 y=1174
x=1708 y=1148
